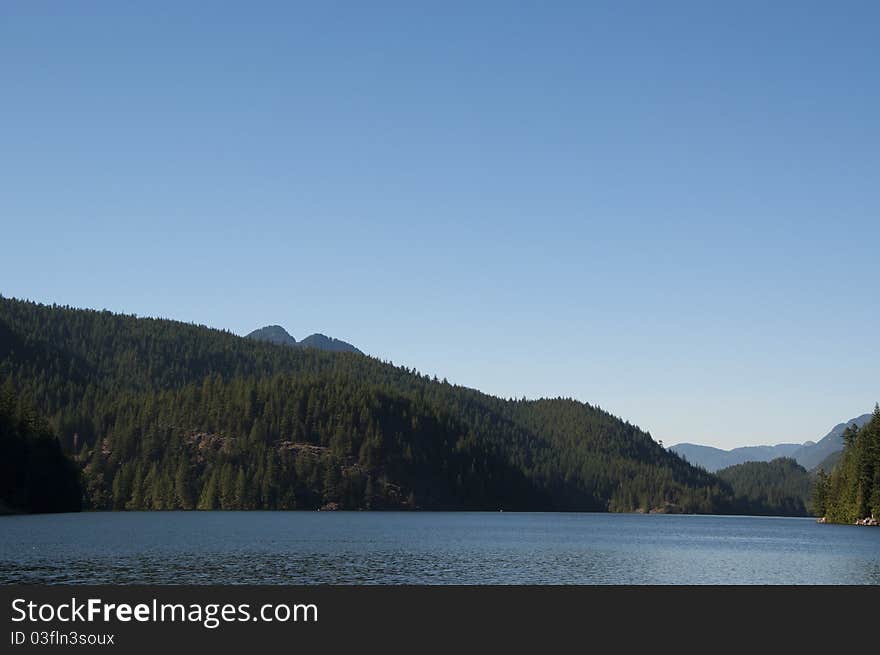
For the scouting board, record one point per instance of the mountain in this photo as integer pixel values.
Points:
(714, 459)
(279, 336)
(322, 342)
(273, 334)
(812, 455)
(159, 414)
(809, 454)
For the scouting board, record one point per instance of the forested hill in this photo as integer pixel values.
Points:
(161, 415)
(852, 491)
(780, 487)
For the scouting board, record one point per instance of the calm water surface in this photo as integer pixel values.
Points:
(432, 548)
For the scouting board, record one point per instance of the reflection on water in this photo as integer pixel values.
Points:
(431, 548)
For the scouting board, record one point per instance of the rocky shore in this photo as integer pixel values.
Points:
(868, 520)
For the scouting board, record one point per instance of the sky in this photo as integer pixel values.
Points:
(670, 210)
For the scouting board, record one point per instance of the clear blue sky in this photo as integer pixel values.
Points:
(670, 209)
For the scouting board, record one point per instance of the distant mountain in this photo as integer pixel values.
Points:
(829, 462)
(323, 342)
(714, 459)
(273, 334)
(813, 454)
(278, 335)
(809, 454)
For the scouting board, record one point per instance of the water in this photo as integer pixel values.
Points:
(431, 548)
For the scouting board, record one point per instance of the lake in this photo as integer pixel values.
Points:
(431, 548)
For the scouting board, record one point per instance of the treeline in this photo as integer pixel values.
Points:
(780, 487)
(164, 415)
(35, 476)
(852, 490)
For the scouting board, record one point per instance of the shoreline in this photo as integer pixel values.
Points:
(868, 521)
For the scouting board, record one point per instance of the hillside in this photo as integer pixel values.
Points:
(162, 415)
(811, 455)
(852, 490)
(829, 462)
(780, 487)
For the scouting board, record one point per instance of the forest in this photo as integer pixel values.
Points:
(159, 414)
(851, 491)
(780, 487)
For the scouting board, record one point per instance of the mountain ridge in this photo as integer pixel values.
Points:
(714, 459)
(812, 455)
(809, 454)
(279, 336)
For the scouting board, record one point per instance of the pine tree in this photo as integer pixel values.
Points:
(226, 484)
(209, 497)
(332, 480)
(183, 491)
(240, 501)
(269, 487)
(136, 502)
(820, 490)
(369, 493)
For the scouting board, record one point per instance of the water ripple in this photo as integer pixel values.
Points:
(430, 548)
